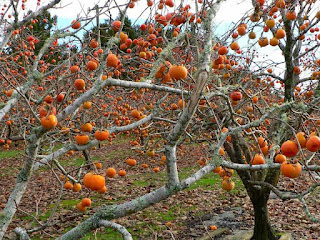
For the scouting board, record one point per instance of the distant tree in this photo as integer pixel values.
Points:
(106, 32)
(41, 28)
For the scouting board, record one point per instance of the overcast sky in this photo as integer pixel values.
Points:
(230, 10)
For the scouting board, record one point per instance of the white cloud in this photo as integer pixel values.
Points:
(232, 11)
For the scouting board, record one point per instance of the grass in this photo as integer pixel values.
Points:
(55, 147)
(177, 210)
(68, 204)
(103, 234)
(10, 153)
(140, 183)
(77, 162)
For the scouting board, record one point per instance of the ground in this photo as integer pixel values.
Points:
(189, 211)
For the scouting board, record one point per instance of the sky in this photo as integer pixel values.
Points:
(230, 10)
(234, 9)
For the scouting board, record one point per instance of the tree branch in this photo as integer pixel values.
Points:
(121, 229)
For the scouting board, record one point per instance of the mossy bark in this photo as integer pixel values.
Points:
(262, 225)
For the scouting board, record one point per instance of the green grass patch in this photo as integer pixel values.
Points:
(45, 216)
(140, 231)
(55, 147)
(104, 234)
(68, 204)
(10, 153)
(140, 183)
(76, 162)
(206, 182)
(171, 214)
(96, 158)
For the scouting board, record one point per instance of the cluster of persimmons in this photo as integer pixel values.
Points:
(117, 107)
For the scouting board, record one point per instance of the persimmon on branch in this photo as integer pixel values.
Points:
(92, 143)
(34, 75)
(34, 139)
(178, 130)
(40, 131)
(18, 23)
(219, 99)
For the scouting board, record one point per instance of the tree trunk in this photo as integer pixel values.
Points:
(262, 226)
(258, 195)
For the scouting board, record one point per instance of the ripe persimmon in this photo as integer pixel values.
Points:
(258, 159)
(86, 202)
(236, 96)
(76, 187)
(75, 24)
(280, 158)
(91, 66)
(98, 165)
(223, 50)
(178, 72)
(313, 144)
(116, 25)
(94, 43)
(291, 170)
(135, 113)
(270, 23)
(301, 139)
(87, 105)
(101, 135)
(280, 33)
(131, 162)
(235, 46)
(102, 190)
(68, 185)
(79, 84)
(49, 122)
(74, 69)
(227, 184)
(93, 181)
(111, 172)
(80, 207)
(82, 139)
(87, 127)
(289, 148)
(112, 60)
(122, 173)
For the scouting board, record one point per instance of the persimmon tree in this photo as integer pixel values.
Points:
(179, 81)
